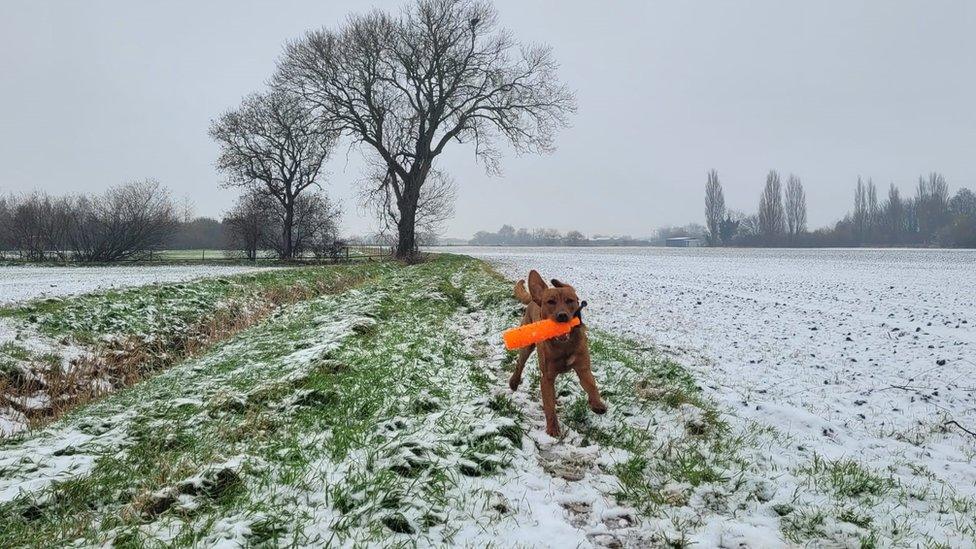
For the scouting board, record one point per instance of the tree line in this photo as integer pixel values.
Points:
(929, 218)
(508, 235)
(399, 88)
(124, 222)
(132, 220)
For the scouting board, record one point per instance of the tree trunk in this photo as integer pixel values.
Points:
(286, 250)
(406, 231)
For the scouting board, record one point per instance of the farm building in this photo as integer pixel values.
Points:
(683, 242)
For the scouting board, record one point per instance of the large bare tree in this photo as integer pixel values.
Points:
(435, 205)
(772, 222)
(796, 206)
(406, 85)
(274, 144)
(714, 207)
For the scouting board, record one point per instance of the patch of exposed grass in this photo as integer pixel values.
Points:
(846, 478)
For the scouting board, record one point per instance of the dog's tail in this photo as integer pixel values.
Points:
(521, 293)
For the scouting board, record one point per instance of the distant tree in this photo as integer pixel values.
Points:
(860, 218)
(893, 216)
(729, 227)
(316, 224)
(124, 222)
(574, 238)
(796, 207)
(273, 143)
(37, 225)
(247, 223)
(714, 207)
(932, 205)
(407, 85)
(201, 233)
(963, 204)
(506, 234)
(772, 222)
(874, 210)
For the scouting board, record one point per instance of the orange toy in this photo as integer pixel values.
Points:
(527, 334)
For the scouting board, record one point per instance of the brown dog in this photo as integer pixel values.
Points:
(558, 355)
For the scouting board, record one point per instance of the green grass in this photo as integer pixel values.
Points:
(847, 478)
(359, 405)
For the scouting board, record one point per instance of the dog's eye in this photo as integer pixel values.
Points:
(570, 301)
(551, 302)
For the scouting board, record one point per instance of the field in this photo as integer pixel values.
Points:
(23, 283)
(860, 357)
(367, 404)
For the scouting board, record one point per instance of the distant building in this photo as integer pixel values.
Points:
(683, 242)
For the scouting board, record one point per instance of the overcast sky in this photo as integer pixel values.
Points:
(100, 92)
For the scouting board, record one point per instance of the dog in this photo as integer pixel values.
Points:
(557, 355)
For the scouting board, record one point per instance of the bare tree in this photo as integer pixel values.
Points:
(860, 209)
(874, 211)
(247, 223)
(274, 143)
(316, 224)
(796, 207)
(126, 221)
(407, 85)
(932, 204)
(772, 222)
(435, 206)
(893, 216)
(714, 207)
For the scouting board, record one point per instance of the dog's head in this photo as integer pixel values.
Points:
(558, 303)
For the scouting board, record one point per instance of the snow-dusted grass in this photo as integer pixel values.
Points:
(20, 283)
(56, 352)
(837, 370)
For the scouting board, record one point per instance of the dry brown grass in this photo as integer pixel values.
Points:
(122, 363)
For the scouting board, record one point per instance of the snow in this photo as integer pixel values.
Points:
(25, 283)
(860, 354)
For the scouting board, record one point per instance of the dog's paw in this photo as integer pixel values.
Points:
(552, 430)
(514, 383)
(599, 408)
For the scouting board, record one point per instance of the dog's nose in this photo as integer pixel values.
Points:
(562, 317)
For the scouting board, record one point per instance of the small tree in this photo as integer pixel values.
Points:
(273, 143)
(247, 224)
(796, 207)
(772, 223)
(405, 86)
(126, 221)
(714, 207)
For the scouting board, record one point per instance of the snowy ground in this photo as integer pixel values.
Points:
(24, 283)
(862, 354)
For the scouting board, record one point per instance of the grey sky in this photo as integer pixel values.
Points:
(96, 93)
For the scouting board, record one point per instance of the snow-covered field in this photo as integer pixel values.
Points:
(24, 283)
(863, 354)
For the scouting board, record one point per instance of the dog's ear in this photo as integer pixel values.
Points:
(537, 286)
(560, 284)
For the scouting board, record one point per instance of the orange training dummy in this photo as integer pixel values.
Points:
(528, 334)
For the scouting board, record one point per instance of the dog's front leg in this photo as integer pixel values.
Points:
(588, 382)
(549, 404)
(523, 356)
